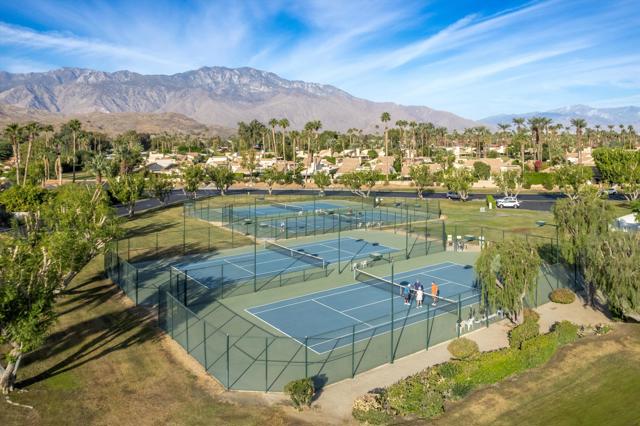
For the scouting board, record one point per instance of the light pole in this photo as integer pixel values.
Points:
(544, 223)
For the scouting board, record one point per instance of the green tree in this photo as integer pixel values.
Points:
(127, 190)
(508, 272)
(272, 176)
(421, 177)
(385, 117)
(74, 224)
(99, 165)
(250, 162)
(571, 178)
(620, 167)
(580, 220)
(459, 180)
(192, 176)
(322, 180)
(75, 126)
(160, 187)
(580, 124)
(284, 123)
(360, 179)
(32, 130)
(613, 269)
(482, 170)
(13, 132)
(509, 182)
(221, 176)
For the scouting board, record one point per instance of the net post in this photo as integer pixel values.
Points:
(353, 351)
(266, 364)
(255, 254)
(204, 342)
(306, 357)
(392, 315)
(428, 333)
(228, 366)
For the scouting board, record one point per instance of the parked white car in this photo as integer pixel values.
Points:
(508, 202)
(453, 195)
(611, 191)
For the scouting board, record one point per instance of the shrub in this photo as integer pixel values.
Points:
(523, 332)
(537, 165)
(538, 350)
(300, 391)
(491, 202)
(562, 295)
(463, 348)
(330, 160)
(421, 394)
(548, 185)
(530, 315)
(493, 154)
(481, 170)
(372, 154)
(461, 389)
(566, 332)
(370, 408)
(448, 370)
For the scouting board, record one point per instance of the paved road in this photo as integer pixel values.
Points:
(538, 202)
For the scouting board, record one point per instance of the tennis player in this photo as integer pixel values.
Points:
(419, 297)
(434, 292)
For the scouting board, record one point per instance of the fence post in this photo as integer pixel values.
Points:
(184, 228)
(459, 314)
(392, 315)
(353, 351)
(137, 286)
(228, 366)
(186, 311)
(128, 249)
(157, 245)
(306, 356)
(184, 296)
(204, 342)
(172, 318)
(266, 364)
(208, 237)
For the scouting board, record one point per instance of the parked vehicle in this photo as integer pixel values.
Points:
(453, 195)
(508, 202)
(611, 191)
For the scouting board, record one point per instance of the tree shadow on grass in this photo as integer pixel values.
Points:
(92, 339)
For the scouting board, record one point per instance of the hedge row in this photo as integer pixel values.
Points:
(424, 394)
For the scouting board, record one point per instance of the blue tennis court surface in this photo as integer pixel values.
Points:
(276, 209)
(228, 269)
(331, 318)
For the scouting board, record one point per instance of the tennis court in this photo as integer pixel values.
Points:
(274, 259)
(365, 307)
(276, 209)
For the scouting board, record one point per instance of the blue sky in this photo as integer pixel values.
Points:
(473, 58)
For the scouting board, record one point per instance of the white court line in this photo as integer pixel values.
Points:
(341, 313)
(402, 319)
(360, 286)
(445, 279)
(238, 266)
(372, 303)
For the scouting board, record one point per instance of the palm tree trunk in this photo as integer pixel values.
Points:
(74, 158)
(26, 163)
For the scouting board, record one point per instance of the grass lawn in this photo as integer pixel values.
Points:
(595, 381)
(105, 363)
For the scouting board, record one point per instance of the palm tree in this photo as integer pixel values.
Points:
(75, 127)
(99, 166)
(13, 132)
(413, 126)
(273, 123)
(385, 117)
(284, 123)
(312, 128)
(538, 126)
(519, 122)
(579, 124)
(503, 131)
(32, 130)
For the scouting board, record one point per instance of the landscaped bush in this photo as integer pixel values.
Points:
(566, 332)
(539, 178)
(491, 202)
(522, 332)
(562, 295)
(300, 391)
(493, 154)
(463, 348)
(530, 315)
(481, 170)
(421, 394)
(370, 409)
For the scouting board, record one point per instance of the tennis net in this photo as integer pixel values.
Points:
(290, 207)
(392, 287)
(297, 254)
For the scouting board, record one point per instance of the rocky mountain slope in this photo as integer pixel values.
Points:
(211, 95)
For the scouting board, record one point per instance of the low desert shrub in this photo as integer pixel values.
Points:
(463, 348)
(562, 295)
(530, 315)
(522, 332)
(300, 391)
(566, 332)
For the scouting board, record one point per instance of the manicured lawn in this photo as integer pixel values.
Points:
(595, 381)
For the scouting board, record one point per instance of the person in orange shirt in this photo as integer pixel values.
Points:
(434, 292)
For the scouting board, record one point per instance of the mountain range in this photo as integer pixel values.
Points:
(215, 96)
(628, 115)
